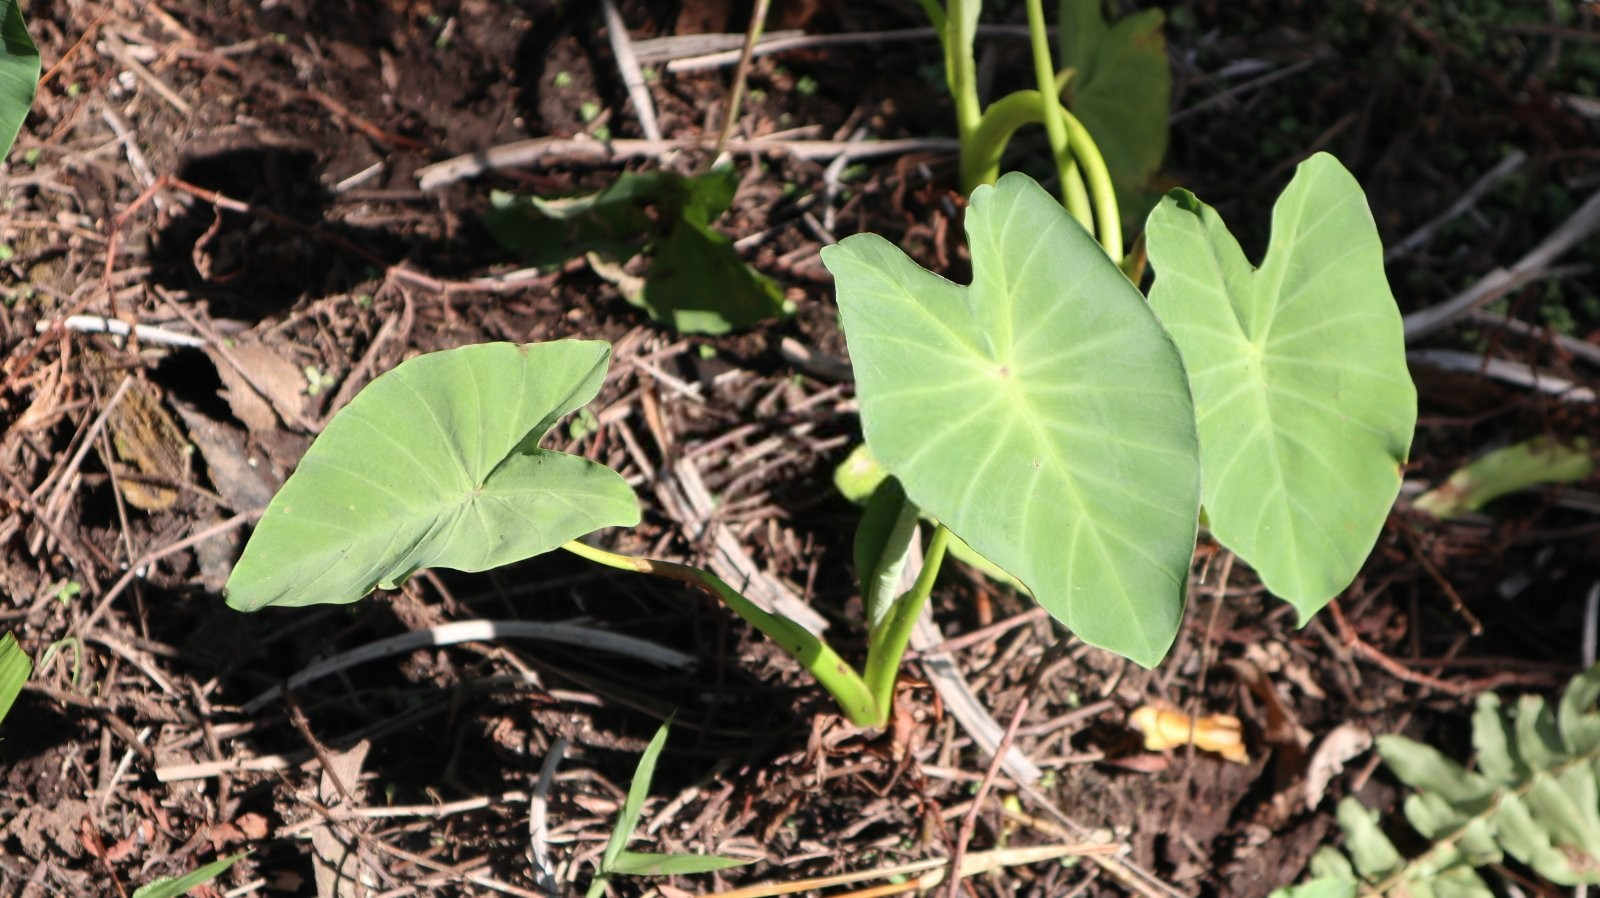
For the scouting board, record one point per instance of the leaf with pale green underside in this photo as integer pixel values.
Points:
(1121, 89)
(1304, 403)
(19, 73)
(436, 464)
(1040, 413)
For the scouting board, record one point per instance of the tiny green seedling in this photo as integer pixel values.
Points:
(617, 860)
(176, 886)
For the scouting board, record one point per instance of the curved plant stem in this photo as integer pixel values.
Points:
(836, 676)
(887, 644)
(1044, 72)
(1003, 117)
(961, 69)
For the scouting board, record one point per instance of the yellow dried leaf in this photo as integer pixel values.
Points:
(1165, 727)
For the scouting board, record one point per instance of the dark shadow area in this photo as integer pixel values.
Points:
(251, 266)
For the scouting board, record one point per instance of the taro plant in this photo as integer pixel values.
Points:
(1048, 414)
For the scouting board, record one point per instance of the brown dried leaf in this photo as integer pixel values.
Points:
(1346, 741)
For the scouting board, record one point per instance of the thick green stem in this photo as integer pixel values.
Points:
(1044, 73)
(957, 33)
(1003, 117)
(836, 676)
(887, 643)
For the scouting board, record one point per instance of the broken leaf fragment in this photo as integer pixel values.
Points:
(1542, 459)
(1165, 727)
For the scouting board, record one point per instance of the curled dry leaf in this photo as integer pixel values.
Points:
(1165, 727)
(1346, 741)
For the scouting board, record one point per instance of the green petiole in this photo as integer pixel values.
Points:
(832, 671)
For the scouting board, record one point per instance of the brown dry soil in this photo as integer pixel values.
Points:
(305, 249)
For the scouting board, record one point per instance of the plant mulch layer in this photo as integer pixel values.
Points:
(246, 174)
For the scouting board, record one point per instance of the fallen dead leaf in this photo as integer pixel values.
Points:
(1346, 741)
(1165, 727)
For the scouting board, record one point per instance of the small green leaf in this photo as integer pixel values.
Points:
(1542, 459)
(436, 463)
(1580, 724)
(14, 669)
(883, 546)
(19, 73)
(1374, 855)
(638, 863)
(1041, 413)
(1304, 403)
(1422, 766)
(1122, 92)
(176, 886)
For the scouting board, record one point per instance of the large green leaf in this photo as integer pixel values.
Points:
(19, 72)
(696, 282)
(436, 463)
(1298, 368)
(1121, 89)
(1040, 413)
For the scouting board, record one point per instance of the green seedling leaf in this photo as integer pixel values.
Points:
(639, 863)
(14, 669)
(436, 464)
(617, 860)
(176, 886)
(696, 283)
(1304, 403)
(19, 73)
(1121, 90)
(883, 546)
(1040, 413)
(1542, 459)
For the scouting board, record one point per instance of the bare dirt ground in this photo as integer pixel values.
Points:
(302, 252)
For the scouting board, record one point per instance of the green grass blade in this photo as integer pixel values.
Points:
(176, 886)
(14, 669)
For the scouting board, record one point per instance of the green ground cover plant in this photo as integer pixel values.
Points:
(1533, 795)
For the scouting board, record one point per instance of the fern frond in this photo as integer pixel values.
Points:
(1534, 796)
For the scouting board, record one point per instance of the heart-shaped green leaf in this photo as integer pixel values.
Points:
(1304, 404)
(436, 463)
(1040, 413)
